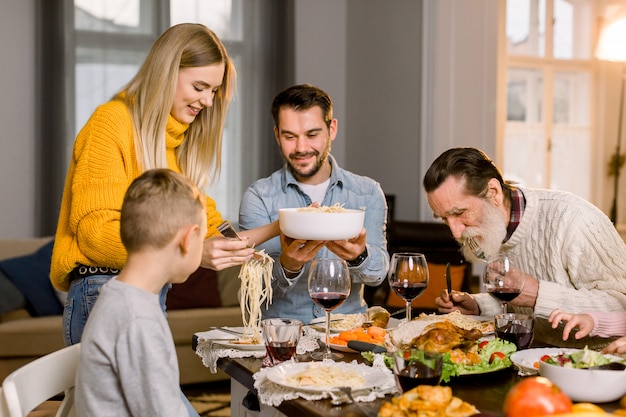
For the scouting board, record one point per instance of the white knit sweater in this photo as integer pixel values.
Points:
(574, 251)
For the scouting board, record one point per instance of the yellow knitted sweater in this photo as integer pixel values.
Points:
(102, 167)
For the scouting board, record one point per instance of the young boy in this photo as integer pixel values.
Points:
(128, 364)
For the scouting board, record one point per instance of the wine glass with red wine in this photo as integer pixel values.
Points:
(503, 279)
(408, 277)
(329, 286)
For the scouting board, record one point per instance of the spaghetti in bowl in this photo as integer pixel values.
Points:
(321, 223)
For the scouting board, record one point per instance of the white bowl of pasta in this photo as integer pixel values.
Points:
(323, 223)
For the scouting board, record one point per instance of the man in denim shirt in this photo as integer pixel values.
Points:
(305, 128)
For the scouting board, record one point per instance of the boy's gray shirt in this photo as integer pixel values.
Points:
(128, 364)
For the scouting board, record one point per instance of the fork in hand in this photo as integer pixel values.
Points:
(227, 230)
(475, 248)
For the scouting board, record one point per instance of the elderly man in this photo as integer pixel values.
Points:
(572, 256)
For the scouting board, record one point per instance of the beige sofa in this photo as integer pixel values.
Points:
(24, 338)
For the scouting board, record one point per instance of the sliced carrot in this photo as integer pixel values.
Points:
(337, 341)
(376, 332)
(365, 338)
(348, 335)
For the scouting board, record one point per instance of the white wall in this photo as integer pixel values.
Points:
(17, 118)
(320, 51)
(408, 84)
(384, 89)
(460, 72)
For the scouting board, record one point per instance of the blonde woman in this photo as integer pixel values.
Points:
(170, 115)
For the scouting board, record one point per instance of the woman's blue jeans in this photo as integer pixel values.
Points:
(80, 300)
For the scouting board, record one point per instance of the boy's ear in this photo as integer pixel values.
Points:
(186, 238)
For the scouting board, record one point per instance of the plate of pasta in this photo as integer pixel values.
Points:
(339, 322)
(325, 376)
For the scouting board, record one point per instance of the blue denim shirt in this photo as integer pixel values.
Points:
(259, 206)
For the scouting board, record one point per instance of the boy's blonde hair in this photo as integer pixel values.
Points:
(156, 206)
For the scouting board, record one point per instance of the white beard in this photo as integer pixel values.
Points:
(489, 235)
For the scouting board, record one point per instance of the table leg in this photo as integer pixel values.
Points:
(237, 394)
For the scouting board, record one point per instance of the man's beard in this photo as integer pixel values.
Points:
(489, 234)
(319, 162)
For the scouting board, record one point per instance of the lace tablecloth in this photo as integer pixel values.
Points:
(272, 394)
(210, 349)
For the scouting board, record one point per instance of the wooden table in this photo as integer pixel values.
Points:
(486, 392)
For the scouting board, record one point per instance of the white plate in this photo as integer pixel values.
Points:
(525, 360)
(373, 377)
(341, 348)
(240, 346)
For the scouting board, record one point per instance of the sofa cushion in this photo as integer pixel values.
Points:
(185, 323)
(31, 275)
(33, 336)
(10, 296)
(199, 291)
(229, 284)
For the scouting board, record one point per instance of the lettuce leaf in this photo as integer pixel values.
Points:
(451, 369)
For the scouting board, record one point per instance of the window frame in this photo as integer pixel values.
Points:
(548, 65)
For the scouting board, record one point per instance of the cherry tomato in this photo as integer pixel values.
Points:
(536, 396)
(495, 355)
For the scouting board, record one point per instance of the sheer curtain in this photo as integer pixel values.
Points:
(90, 48)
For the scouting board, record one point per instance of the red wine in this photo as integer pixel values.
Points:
(516, 334)
(412, 376)
(328, 300)
(407, 382)
(281, 351)
(408, 290)
(504, 293)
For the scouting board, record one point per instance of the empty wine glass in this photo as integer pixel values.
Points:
(329, 286)
(408, 277)
(503, 279)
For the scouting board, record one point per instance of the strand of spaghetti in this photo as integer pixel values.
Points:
(256, 287)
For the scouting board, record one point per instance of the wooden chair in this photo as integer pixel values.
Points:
(436, 242)
(40, 380)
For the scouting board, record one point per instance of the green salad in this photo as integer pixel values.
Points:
(494, 354)
(584, 358)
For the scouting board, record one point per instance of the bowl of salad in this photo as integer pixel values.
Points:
(571, 372)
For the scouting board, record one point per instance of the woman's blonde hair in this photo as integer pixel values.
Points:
(150, 94)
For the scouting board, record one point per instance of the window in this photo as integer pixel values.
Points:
(547, 139)
(112, 38)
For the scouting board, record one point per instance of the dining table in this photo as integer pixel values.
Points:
(486, 391)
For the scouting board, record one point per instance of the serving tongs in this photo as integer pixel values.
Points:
(228, 231)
